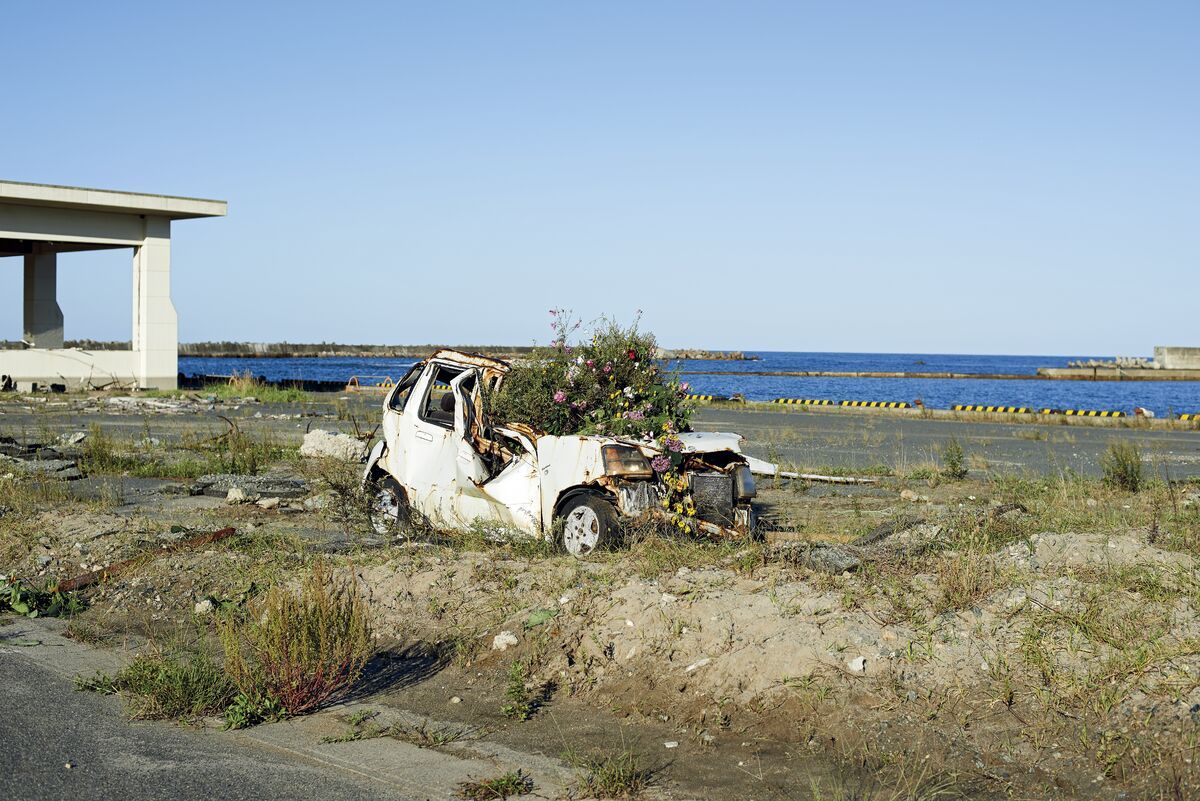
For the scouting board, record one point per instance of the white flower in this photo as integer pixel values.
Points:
(628, 392)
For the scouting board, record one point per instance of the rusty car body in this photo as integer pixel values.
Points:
(441, 459)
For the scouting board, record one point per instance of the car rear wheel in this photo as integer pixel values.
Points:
(589, 523)
(389, 505)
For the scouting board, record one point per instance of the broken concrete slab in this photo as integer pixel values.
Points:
(322, 444)
(62, 469)
(218, 485)
(826, 557)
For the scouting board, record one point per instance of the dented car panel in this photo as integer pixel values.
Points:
(455, 467)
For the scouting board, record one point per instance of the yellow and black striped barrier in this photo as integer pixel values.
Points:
(1083, 412)
(877, 404)
(959, 407)
(804, 401)
(1189, 417)
(707, 398)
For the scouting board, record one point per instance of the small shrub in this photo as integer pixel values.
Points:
(519, 703)
(302, 647)
(954, 461)
(515, 782)
(1122, 466)
(178, 685)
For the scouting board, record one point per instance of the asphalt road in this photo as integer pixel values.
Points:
(46, 725)
(814, 440)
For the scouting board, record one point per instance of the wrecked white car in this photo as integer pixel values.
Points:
(440, 459)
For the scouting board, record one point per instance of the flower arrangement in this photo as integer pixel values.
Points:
(608, 383)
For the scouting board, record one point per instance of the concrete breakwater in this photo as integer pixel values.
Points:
(294, 350)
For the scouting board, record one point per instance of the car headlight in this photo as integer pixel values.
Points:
(743, 484)
(626, 461)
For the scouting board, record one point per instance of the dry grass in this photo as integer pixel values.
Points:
(303, 647)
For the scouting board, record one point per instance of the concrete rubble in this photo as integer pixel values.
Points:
(220, 485)
(322, 444)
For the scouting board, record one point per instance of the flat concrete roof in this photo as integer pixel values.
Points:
(77, 197)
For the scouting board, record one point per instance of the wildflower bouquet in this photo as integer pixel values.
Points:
(607, 383)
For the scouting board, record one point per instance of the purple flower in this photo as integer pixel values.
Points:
(660, 464)
(674, 444)
(635, 415)
(560, 396)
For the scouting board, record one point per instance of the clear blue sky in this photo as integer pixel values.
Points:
(930, 177)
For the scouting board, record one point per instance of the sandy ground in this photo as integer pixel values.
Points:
(996, 637)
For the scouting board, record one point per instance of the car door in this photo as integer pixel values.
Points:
(426, 428)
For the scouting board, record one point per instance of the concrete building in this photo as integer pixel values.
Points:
(38, 222)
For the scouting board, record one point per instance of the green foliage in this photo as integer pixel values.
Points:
(21, 599)
(608, 384)
(954, 461)
(515, 782)
(519, 703)
(300, 648)
(250, 710)
(176, 684)
(1122, 466)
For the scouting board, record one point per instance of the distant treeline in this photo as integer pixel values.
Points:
(291, 350)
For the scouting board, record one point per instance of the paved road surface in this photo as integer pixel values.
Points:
(815, 440)
(45, 725)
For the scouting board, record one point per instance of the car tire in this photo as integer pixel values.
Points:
(388, 510)
(589, 523)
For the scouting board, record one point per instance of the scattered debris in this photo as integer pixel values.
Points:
(267, 486)
(87, 579)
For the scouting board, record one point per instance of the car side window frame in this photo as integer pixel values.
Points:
(422, 410)
(404, 387)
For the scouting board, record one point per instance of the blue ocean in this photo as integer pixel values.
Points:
(1161, 397)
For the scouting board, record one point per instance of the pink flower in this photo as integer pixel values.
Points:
(560, 397)
(684, 387)
(608, 368)
(591, 363)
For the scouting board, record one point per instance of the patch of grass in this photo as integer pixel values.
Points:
(615, 775)
(963, 581)
(954, 461)
(514, 782)
(302, 647)
(172, 684)
(239, 386)
(361, 727)
(233, 451)
(21, 501)
(1122, 466)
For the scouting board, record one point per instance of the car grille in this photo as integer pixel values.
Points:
(713, 495)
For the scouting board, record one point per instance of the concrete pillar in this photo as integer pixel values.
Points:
(155, 326)
(43, 317)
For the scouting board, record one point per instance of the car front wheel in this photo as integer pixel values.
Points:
(589, 523)
(388, 505)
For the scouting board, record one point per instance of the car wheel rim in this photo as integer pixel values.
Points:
(581, 531)
(385, 511)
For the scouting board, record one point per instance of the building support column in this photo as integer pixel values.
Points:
(155, 326)
(43, 317)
